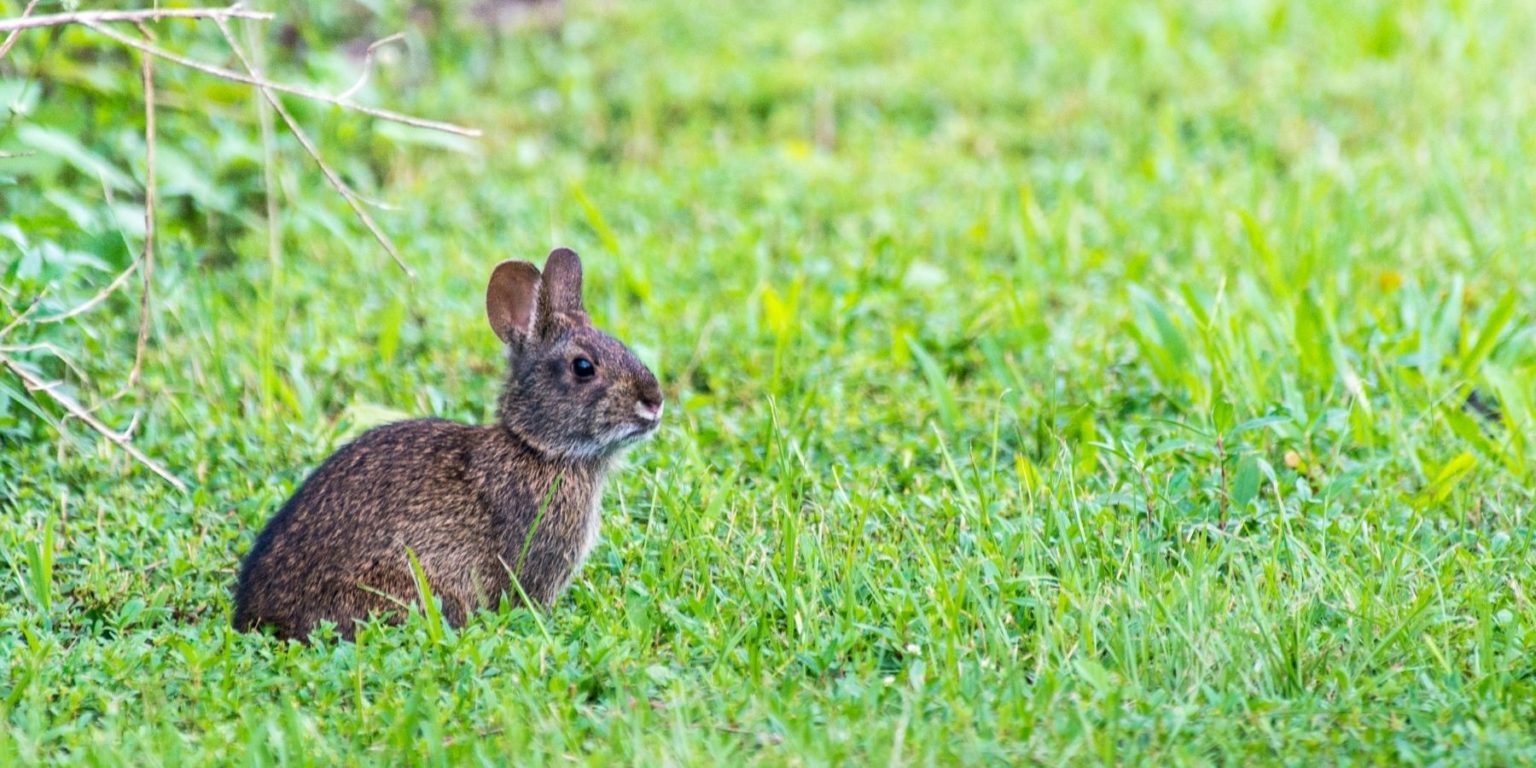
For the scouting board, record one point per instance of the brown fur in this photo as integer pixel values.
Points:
(466, 500)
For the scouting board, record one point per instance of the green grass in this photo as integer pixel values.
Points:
(1049, 383)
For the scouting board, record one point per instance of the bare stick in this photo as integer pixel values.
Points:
(147, 69)
(268, 174)
(52, 349)
(368, 64)
(274, 224)
(229, 74)
(27, 21)
(91, 303)
(19, 319)
(309, 146)
(10, 39)
(35, 384)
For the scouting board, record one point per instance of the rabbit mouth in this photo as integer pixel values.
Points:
(638, 430)
(632, 430)
(629, 433)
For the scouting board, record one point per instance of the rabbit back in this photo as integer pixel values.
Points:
(337, 550)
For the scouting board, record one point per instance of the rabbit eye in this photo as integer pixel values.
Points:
(583, 368)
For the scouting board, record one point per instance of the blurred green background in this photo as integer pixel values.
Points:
(1050, 382)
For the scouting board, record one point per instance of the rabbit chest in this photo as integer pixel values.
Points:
(547, 518)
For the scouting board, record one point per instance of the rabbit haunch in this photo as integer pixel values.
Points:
(469, 501)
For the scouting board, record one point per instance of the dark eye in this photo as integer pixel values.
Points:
(583, 368)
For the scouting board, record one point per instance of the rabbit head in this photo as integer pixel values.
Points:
(572, 391)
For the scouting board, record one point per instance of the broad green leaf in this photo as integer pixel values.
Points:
(1245, 486)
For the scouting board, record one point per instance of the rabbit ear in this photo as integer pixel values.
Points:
(511, 298)
(560, 300)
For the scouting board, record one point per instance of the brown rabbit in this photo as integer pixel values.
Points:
(477, 505)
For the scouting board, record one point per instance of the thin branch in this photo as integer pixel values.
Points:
(10, 39)
(309, 146)
(91, 303)
(19, 319)
(147, 69)
(133, 423)
(229, 74)
(368, 64)
(34, 384)
(379, 204)
(52, 349)
(268, 173)
(269, 185)
(26, 21)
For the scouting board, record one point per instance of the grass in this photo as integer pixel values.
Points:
(1048, 383)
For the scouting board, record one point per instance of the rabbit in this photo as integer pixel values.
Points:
(479, 506)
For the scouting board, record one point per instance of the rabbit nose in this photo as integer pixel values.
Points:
(649, 407)
(648, 411)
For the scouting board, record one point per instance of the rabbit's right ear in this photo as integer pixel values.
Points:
(512, 299)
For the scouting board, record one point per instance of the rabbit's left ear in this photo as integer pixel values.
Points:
(510, 300)
(560, 297)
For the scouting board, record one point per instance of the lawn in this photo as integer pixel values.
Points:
(1049, 383)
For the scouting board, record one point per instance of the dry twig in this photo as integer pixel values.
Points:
(229, 74)
(28, 21)
(268, 175)
(22, 316)
(147, 70)
(34, 384)
(89, 304)
(52, 349)
(10, 39)
(368, 64)
(309, 146)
